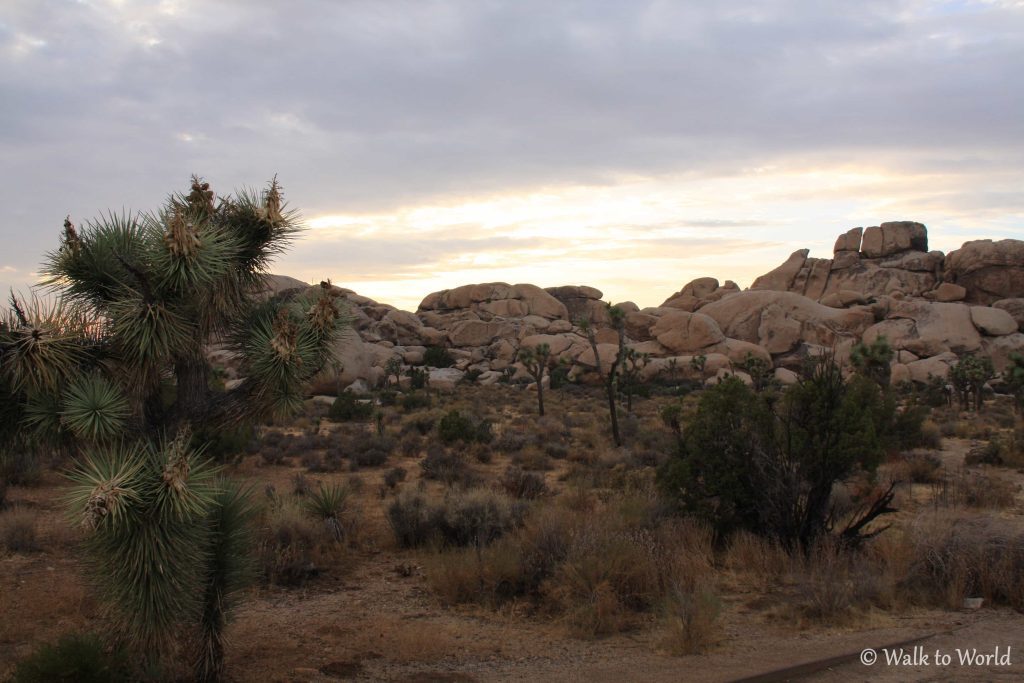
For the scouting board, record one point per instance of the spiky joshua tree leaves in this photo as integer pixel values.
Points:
(111, 367)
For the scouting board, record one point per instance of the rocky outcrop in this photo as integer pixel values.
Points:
(880, 281)
(700, 292)
(780, 321)
(988, 270)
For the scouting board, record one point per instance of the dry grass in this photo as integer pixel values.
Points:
(971, 489)
(960, 556)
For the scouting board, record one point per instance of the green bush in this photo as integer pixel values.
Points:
(751, 462)
(415, 401)
(438, 357)
(348, 407)
(458, 427)
(75, 658)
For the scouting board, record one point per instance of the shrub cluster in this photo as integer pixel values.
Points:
(456, 426)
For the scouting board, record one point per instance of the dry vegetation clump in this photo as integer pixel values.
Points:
(918, 466)
(971, 489)
(301, 537)
(521, 484)
(598, 571)
(474, 517)
(963, 556)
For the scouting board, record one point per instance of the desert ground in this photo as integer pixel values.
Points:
(363, 607)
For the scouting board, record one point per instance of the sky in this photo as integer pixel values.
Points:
(629, 145)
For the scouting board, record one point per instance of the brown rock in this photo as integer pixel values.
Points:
(894, 237)
(638, 325)
(988, 270)
(947, 292)
(1000, 348)
(1015, 307)
(993, 322)
(849, 241)
(927, 329)
(558, 343)
(781, 279)
(740, 317)
(479, 333)
(682, 332)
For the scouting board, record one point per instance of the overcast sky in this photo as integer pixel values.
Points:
(630, 145)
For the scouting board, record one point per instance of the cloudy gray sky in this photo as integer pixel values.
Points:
(630, 145)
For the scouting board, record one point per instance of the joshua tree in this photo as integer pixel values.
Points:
(873, 360)
(618, 321)
(633, 364)
(1013, 375)
(968, 378)
(697, 363)
(115, 365)
(536, 360)
(759, 369)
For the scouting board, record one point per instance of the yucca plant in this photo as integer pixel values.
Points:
(110, 366)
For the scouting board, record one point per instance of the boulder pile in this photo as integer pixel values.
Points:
(880, 281)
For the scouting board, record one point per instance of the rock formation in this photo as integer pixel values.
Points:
(880, 281)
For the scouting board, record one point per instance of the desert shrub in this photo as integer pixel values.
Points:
(413, 519)
(974, 489)
(18, 532)
(347, 406)
(744, 463)
(329, 504)
(423, 423)
(556, 450)
(394, 476)
(370, 450)
(272, 438)
(334, 458)
(272, 455)
(75, 658)
(301, 485)
(520, 484)
(965, 556)
(3, 493)
(481, 452)
(288, 546)
(512, 440)
(438, 357)
(691, 621)
(532, 458)
(388, 397)
(477, 517)
(931, 435)
(313, 462)
(410, 445)
(919, 466)
(991, 452)
(763, 560)
(455, 426)
(1011, 447)
(419, 378)
(444, 464)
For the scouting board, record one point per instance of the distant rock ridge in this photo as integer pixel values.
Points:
(880, 281)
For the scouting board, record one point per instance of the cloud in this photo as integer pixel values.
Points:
(370, 109)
